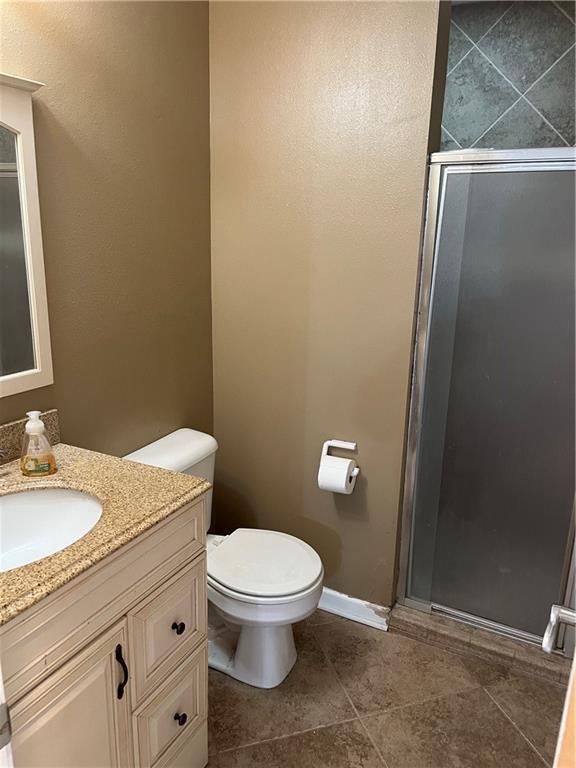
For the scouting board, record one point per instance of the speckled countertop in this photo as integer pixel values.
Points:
(133, 497)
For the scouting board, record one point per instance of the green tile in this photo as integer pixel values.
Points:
(553, 95)
(458, 46)
(528, 40)
(519, 128)
(476, 18)
(476, 95)
(568, 7)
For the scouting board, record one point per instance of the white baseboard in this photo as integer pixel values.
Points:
(354, 609)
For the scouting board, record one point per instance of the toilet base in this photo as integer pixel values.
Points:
(261, 656)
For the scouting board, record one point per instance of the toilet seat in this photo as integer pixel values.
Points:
(257, 565)
(263, 601)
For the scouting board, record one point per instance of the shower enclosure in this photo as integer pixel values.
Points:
(489, 488)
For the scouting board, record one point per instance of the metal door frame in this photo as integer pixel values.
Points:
(441, 165)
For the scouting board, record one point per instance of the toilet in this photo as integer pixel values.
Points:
(259, 582)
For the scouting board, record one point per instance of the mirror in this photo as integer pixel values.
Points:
(16, 343)
(25, 355)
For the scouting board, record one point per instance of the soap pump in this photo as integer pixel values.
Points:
(38, 458)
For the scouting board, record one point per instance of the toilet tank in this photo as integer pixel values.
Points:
(185, 450)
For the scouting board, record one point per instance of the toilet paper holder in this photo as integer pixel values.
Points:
(343, 445)
(335, 473)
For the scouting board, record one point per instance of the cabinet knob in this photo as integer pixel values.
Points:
(181, 718)
(178, 627)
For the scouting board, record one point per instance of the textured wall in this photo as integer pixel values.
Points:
(511, 76)
(122, 143)
(319, 135)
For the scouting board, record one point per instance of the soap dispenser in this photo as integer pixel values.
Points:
(38, 458)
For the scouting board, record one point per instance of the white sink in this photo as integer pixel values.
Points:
(37, 523)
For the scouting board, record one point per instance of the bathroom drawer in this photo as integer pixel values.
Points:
(165, 627)
(187, 751)
(184, 693)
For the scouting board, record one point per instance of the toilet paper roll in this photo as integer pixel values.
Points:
(337, 475)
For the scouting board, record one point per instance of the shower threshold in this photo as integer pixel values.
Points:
(481, 623)
(461, 633)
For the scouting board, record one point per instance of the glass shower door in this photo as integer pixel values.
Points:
(493, 467)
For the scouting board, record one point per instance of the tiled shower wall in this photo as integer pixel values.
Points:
(510, 81)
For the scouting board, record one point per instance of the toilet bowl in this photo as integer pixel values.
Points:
(260, 582)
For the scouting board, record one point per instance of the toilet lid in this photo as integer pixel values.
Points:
(264, 563)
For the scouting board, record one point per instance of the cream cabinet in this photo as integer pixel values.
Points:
(75, 717)
(111, 670)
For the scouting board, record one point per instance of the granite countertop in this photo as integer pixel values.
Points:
(133, 497)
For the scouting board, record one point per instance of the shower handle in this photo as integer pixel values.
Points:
(558, 614)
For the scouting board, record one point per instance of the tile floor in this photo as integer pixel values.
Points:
(362, 698)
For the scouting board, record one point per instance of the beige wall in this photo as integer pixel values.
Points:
(320, 115)
(122, 140)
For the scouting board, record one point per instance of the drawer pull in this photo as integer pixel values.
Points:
(181, 718)
(178, 627)
(120, 660)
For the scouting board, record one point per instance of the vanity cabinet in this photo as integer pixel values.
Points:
(111, 670)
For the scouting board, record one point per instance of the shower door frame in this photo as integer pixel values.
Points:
(467, 160)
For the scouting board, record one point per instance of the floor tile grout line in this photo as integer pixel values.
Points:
(477, 139)
(366, 731)
(459, 28)
(534, 107)
(460, 60)
(470, 40)
(559, 7)
(371, 740)
(417, 702)
(507, 716)
(347, 695)
(490, 28)
(546, 71)
(489, 60)
(451, 137)
(286, 735)
(545, 120)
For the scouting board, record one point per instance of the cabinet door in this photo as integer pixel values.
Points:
(74, 719)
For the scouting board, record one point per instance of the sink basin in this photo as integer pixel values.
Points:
(38, 523)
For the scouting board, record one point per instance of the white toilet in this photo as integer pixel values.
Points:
(259, 582)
